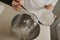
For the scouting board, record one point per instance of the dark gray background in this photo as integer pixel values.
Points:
(55, 30)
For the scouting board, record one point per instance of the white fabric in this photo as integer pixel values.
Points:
(37, 4)
(41, 2)
(54, 2)
(34, 5)
(46, 17)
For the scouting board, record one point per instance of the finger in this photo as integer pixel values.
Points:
(22, 2)
(17, 7)
(14, 3)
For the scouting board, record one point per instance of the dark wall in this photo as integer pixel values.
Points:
(54, 35)
(7, 1)
(57, 8)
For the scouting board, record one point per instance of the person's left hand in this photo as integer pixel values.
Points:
(16, 4)
(49, 7)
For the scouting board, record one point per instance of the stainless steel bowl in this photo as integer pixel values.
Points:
(24, 27)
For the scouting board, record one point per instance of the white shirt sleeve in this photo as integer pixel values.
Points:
(54, 2)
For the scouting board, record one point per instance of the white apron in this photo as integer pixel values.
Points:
(37, 7)
(36, 4)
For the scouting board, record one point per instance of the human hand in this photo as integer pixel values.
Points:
(49, 7)
(17, 4)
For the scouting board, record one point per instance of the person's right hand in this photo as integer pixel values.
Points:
(17, 4)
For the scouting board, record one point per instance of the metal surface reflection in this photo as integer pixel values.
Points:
(24, 27)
